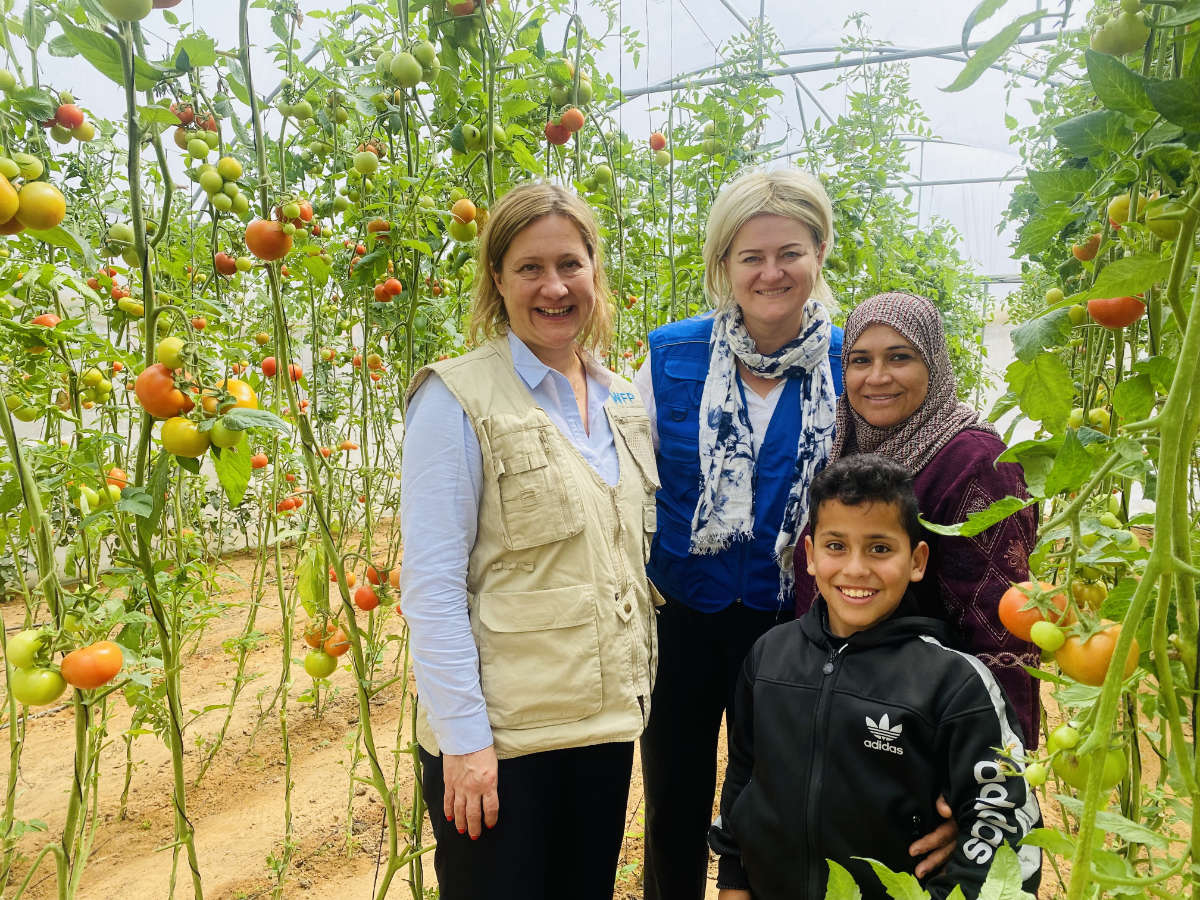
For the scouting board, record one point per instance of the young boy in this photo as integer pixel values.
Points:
(848, 722)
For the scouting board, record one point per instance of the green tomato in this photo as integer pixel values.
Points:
(211, 138)
(1064, 737)
(128, 10)
(36, 687)
(1054, 296)
(1047, 635)
(222, 202)
(225, 437)
(319, 664)
(244, 264)
(604, 174)
(1075, 419)
(210, 180)
(169, 352)
(1114, 503)
(197, 148)
(241, 204)
(1035, 774)
(1099, 418)
(1108, 520)
(229, 168)
(1074, 769)
(22, 647)
(366, 163)
(88, 499)
(462, 231)
(1078, 315)
(8, 80)
(425, 53)
(92, 377)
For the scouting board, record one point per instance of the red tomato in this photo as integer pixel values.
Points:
(572, 119)
(337, 643)
(269, 367)
(69, 116)
(1018, 620)
(266, 239)
(365, 598)
(1088, 661)
(156, 391)
(658, 141)
(259, 461)
(1116, 312)
(117, 476)
(224, 264)
(93, 666)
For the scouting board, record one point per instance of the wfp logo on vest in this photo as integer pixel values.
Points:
(884, 733)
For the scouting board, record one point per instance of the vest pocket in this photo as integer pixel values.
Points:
(539, 656)
(538, 504)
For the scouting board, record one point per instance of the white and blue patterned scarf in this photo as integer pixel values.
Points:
(725, 509)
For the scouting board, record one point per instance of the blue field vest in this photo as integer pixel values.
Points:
(747, 571)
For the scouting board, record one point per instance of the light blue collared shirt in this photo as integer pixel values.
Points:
(441, 484)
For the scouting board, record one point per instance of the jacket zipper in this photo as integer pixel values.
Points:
(813, 819)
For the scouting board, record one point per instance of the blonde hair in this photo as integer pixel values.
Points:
(783, 192)
(516, 211)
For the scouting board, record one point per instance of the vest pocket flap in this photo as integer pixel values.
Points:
(504, 612)
(650, 517)
(511, 460)
(691, 366)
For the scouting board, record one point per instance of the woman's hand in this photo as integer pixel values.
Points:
(936, 846)
(470, 799)
(733, 894)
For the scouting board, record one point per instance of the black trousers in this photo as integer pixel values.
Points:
(699, 658)
(559, 833)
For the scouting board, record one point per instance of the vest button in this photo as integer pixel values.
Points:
(628, 607)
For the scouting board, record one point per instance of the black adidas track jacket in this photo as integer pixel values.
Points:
(839, 749)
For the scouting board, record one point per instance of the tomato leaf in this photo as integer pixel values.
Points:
(992, 51)
(1127, 277)
(147, 525)
(1117, 86)
(311, 579)
(1072, 466)
(201, 51)
(59, 236)
(191, 465)
(1061, 185)
(1044, 227)
(900, 885)
(36, 103)
(1042, 333)
(1134, 397)
(840, 885)
(1093, 133)
(1161, 370)
(981, 521)
(1003, 880)
(233, 471)
(1190, 12)
(240, 418)
(34, 25)
(980, 13)
(1177, 100)
(1051, 840)
(1043, 387)
(103, 53)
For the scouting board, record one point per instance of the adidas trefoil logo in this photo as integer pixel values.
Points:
(885, 735)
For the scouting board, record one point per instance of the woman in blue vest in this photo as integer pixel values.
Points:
(742, 404)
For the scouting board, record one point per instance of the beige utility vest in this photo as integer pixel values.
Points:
(559, 602)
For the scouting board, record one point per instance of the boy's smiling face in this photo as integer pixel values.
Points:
(863, 561)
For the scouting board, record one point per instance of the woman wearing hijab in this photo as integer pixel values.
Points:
(900, 401)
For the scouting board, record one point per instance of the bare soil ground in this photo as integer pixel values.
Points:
(238, 808)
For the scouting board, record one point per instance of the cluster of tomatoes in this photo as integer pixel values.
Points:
(1043, 615)
(36, 680)
(69, 122)
(326, 640)
(34, 204)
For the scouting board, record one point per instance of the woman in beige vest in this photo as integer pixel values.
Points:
(528, 507)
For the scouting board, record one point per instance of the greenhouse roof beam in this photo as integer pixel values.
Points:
(885, 57)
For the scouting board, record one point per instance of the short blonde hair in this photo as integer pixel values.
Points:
(516, 211)
(783, 192)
